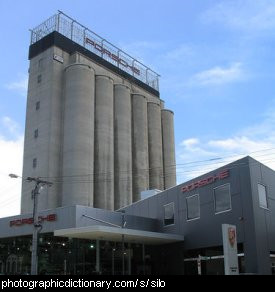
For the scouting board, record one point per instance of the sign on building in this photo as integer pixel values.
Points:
(230, 250)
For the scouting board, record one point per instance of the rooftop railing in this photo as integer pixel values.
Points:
(83, 36)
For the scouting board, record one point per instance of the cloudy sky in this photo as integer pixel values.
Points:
(216, 60)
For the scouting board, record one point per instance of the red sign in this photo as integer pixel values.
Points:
(207, 181)
(114, 57)
(29, 221)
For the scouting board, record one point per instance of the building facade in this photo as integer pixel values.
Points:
(169, 233)
(95, 124)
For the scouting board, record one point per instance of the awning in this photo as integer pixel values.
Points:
(115, 234)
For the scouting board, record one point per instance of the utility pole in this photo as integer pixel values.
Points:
(36, 224)
(123, 243)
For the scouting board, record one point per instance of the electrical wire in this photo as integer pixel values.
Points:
(182, 168)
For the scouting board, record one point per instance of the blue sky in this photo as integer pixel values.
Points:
(216, 60)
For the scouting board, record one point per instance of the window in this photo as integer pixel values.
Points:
(41, 64)
(34, 163)
(37, 105)
(222, 198)
(193, 207)
(36, 133)
(262, 196)
(169, 214)
(39, 78)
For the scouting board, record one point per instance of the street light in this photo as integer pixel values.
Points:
(39, 184)
(12, 175)
(123, 224)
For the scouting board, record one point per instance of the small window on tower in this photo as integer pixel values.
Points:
(36, 133)
(34, 163)
(41, 64)
(37, 105)
(39, 78)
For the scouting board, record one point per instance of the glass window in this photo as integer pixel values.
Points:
(222, 198)
(34, 162)
(36, 133)
(37, 105)
(169, 214)
(262, 196)
(193, 207)
(41, 64)
(39, 78)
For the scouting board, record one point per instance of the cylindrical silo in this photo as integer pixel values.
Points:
(78, 141)
(122, 146)
(155, 146)
(168, 144)
(104, 143)
(139, 146)
(162, 104)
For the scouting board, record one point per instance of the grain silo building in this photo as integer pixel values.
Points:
(95, 124)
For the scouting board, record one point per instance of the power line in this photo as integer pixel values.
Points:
(208, 169)
(60, 178)
(228, 156)
(103, 177)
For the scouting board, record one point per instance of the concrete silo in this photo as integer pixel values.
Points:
(104, 143)
(78, 143)
(96, 126)
(168, 143)
(139, 146)
(122, 146)
(155, 146)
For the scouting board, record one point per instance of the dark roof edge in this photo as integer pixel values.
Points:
(57, 39)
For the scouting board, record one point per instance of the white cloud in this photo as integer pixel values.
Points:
(11, 126)
(11, 157)
(219, 75)
(240, 144)
(246, 15)
(180, 54)
(209, 155)
(20, 86)
(197, 156)
(188, 143)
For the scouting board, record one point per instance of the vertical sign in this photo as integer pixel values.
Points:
(229, 235)
(199, 265)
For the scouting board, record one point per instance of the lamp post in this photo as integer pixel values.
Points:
(123, 224)
(36, 224)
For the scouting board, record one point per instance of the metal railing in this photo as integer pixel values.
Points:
(80, 34)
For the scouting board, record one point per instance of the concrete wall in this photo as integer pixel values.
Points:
(255, 225)
(93, 141)
(168, 141)
(78, 138)
(72, 217)
(122, 146)
(263, 232)
(155, 147)
(140, 146)
(104, 143)
(46, 148)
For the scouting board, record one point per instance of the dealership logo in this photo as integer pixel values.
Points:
(232, 236)
(114, 57)
(29, 221)
(207, 181)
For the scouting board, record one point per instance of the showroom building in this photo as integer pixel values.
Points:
(177, 231)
